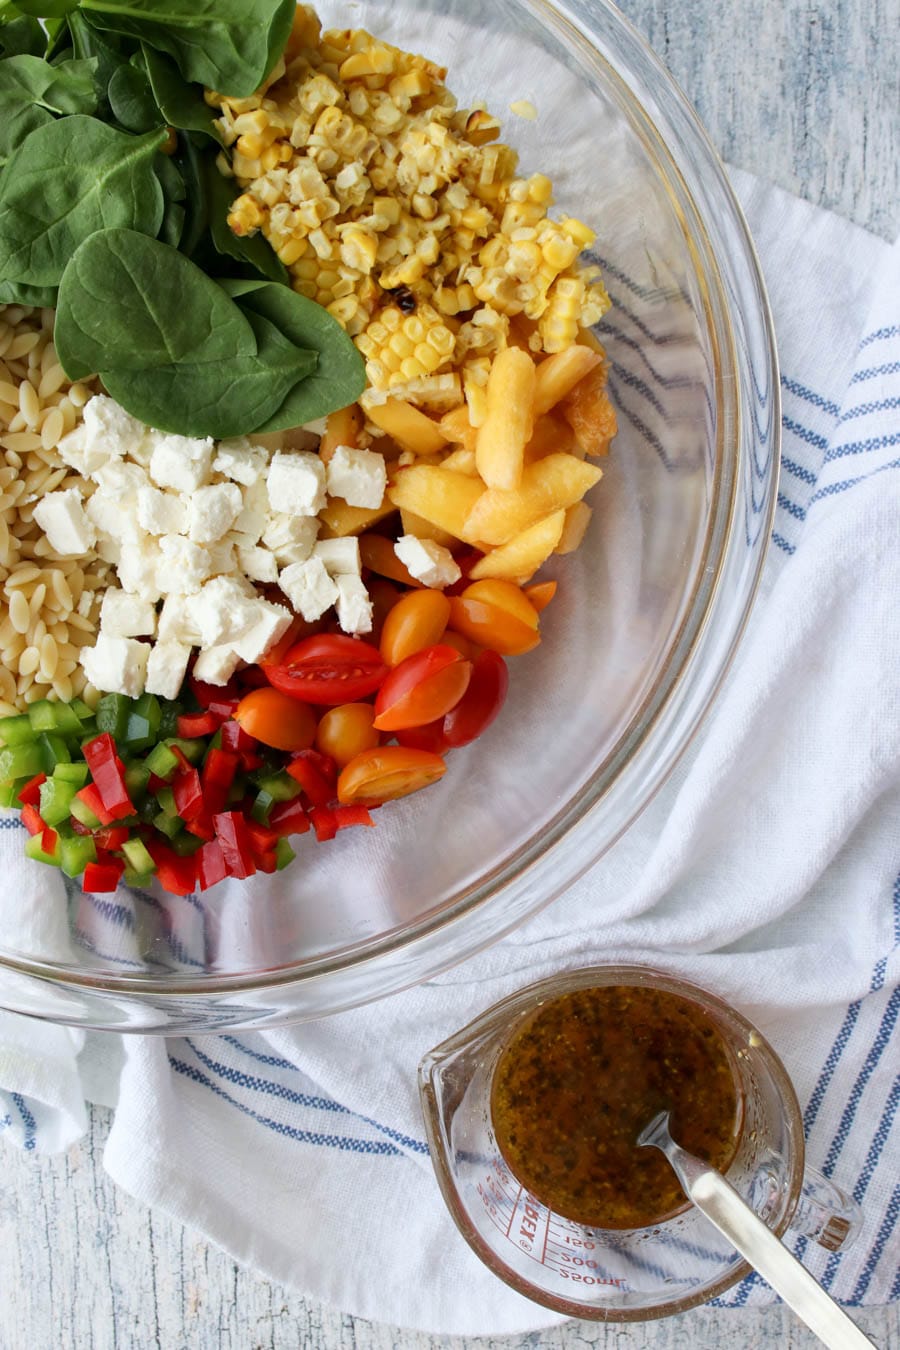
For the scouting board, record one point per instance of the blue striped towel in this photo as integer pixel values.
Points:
(767, 870)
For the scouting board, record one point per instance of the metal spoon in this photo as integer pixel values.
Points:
(719, 1201)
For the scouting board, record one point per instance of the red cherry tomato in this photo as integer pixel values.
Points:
(422, 688)
(381, 775)
(481, 702)
(428, 737)
(329, 669)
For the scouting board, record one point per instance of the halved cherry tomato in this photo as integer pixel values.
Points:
(377, 553)
(540, 594)
(389, 772)
(418, 620)
(276, 719)
(421, 689)
(481, 702)
(346, 731)
(329, 669)
(470, 650)
(429, 737)
(275, 655)
(497, 615)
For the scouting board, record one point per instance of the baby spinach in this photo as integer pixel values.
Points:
(20, 34)
(46, 9)
(31, 89)
(131, 100)
(181, 104)
(66, 181)
(215, 399)
(252, 251)
(339, 377)
(20, 114)
(127, 302)
(228, 45)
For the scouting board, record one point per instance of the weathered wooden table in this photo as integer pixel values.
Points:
(807, 94)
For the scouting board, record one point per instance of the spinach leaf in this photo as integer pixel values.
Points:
(172, 228)
(189, 161)
(46, 9)
(110, 51)
(72, 88)
(69, 88)
(19, 114)
(340, 376)
(252, 250)
(131, 303)
(223, 44)
(219, 399)
(131, 100)
(66, 181)
(181, 104)
(41, 297)
(21, 35)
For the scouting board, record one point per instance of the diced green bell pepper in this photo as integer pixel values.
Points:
(185, 845)
(34, 849)
(59, 717)
(83, 711)
(21, 761)
(284, 854)
(169, 713)
(281, 787)
(83, 814)
(135, 853)
(167, 825)
(73, 773)
(166, 799)
(262, 807)
(137, 776)
(142, 725)
(193, 751)
(76, 853)
(54, 750)
(112, 715)
(56, 800)
(9, 792)
(162, 762)
(139, 880)
(16, 730)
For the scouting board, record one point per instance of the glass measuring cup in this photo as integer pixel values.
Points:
(618, 1274)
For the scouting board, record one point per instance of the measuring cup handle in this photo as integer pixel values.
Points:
(825, 1213)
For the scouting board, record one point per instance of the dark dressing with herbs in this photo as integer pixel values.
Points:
(581, 1078)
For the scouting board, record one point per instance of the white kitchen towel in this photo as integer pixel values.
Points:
(767, 869)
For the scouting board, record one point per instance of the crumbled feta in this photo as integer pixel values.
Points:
(116, 665)
(160, 512)
(290, 535)
(241, 461)
(254, 515)
(175, 623)
(80, 454)
(120, 481)
(212, 511)
(180, 462)
(216, 665)
(126, 615)
(109, 429)
(62, 517)
(340, 556)
(428, 562)
(110, 517)
(139, 566)
(258, 564)
(184, 565)
(272, 623)
(166, 668)
(354, 608)
(223, 611)
(309, 588)
(296, 483)
(359, 476)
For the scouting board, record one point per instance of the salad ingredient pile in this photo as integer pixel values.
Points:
(280, 467)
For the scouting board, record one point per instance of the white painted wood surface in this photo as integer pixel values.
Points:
(806, 93)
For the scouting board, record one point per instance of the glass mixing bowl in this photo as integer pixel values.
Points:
(645, 623)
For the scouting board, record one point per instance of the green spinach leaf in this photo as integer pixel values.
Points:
(222, 44)
(216, 399)
(21, 35)
(46, 9)
(68, 88)
(40, 297)
(188, 160)
(109, 50)
(340, 376)
(130, 303)
(66, 181)
(252, 250)
(131, 100)
(19, 114)
(181, 104)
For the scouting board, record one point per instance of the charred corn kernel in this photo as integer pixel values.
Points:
(414, 84)
(578, 231)
(559, 252)
(560, 322)
(358, 249)
(375, 61)
(245, 215)
(481, 127)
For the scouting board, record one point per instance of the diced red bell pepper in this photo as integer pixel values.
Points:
(207, 694)
(223, 707)
(237, 742)
(324, 822)
(236, 843)
(288, 818)
(31, 792)
(108, 774)
(352, 814)
(156, 784)
(262, 840)
(90, 795)
(219, 769)
(326, 766)
(211, 866)
(188, 793)
(31, 819)
(112, 837)
(49, 839)
(176, 875)
(316, 774)
(100, 877)
(182, 758)
(202, 827)
(267, 862)
(191, 725)
(78, 827)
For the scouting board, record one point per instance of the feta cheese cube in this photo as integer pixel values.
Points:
(340, 556)
(62, 517)
(125, 615)
(184, 565)
(296, 483)
(254, 515)
(166, 668)
(359, 476)
(212, 511)
(309, 588)
(116, 665)
(120, 480)
(109, 429)
(175, 623)
(111, 518)
(180, 462)
(223, 611)
(318, 427)
(160, 512)
(241, 460)
(138, 567)
(272, 623)
(80, 454)
(354, 608)
(294, 535)
(216, 665)
(258, 564)
(428, 562)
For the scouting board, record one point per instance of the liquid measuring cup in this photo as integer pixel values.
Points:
(619, 1274)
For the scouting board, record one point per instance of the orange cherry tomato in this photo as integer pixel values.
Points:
(276, 719)
(497, 615)
(470, 650)
(418, 620)
(346, 731)
(421, 689)
(540, 594)
(377, 553)
(391, 771)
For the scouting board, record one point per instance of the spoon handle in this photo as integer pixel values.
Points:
(722, 1205)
